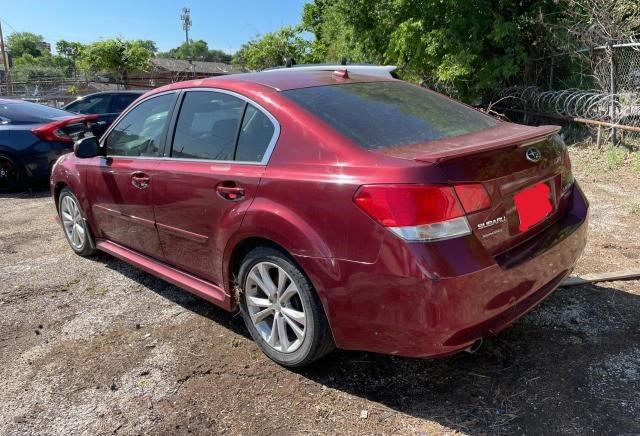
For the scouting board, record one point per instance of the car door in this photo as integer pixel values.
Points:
(220, 144)
(121, 184)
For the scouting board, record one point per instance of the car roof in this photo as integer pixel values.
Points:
(281, 80)
(367, 69)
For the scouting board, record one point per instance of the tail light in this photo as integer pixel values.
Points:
(567, 174)
(54, 131)
(422, 212)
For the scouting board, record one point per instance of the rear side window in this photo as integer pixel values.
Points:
(378, 115)
(140, 132)
(255, 136)
(20, 112)
(207, 126)
(98, 104)
(119, 102)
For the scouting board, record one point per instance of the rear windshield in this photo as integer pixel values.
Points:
(384, 114)
(21, 112)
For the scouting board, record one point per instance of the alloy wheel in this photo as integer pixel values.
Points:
(275, 307)
(72, 222)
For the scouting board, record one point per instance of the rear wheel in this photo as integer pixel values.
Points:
(281, 310)
(12, 176)
(74, 224)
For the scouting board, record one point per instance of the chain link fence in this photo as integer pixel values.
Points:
(599, 88)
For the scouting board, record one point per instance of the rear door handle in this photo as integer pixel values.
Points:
(230, 192)
(140, 180)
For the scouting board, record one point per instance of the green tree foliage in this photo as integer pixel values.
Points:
(69, 55)
(117, 56)
(23, 43)
(272, 49)
(31, 57)
(197, 51)
(464, 48)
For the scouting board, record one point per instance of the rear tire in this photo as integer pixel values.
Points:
(12, 175)
(74, 224)
(281, 309)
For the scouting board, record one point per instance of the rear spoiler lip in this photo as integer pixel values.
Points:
(521, 139)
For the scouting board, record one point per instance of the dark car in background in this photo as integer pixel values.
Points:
(107, 105)
(32, 137)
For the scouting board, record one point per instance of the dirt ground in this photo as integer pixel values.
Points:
(94, 346)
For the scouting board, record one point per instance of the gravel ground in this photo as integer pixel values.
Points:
(95, 346)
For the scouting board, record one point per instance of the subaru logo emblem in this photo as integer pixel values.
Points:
(533, 154)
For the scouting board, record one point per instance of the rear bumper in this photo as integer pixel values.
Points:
(405, 304)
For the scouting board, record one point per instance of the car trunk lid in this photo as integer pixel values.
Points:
(526, 192)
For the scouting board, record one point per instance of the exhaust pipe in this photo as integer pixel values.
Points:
(474, 347)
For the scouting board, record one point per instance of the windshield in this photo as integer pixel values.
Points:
(389, 114)
(21, 112)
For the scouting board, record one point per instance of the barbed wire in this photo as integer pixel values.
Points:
(621, 109)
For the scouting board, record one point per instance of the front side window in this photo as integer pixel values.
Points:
(207, 126)
(98, 104)
(141, 130)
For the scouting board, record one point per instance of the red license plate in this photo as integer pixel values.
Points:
(533, 205)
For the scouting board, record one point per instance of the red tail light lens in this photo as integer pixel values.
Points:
(54, 131)
(473, 197)
(414, 212)
(408, 205)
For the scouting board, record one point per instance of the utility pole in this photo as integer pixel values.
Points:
(186, 22)
(4, 61)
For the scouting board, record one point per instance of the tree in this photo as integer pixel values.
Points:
(216, 55)
(593, 23)
(464, 48)
(273, 49)
(197, 51)
(118, 56)
(70, 54)
(21, 43)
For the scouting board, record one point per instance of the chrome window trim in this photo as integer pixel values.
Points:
(268, 151)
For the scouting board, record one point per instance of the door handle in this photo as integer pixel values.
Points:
(140, 180)
(230, 191)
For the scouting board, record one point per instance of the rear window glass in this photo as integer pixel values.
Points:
(27, 113)
(96, 104)
(384, 114)
(119, 102)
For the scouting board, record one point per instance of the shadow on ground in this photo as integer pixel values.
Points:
(39, 189)
(572, 364)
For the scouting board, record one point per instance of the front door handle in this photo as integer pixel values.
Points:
(230, 191)
(140, 180)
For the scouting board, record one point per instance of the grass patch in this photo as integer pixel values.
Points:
(96, 290)
(635, 208)
(636, 161)
(616, 157)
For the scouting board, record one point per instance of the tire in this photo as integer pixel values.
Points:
(12, 175)
(74, 224)
(306, 337)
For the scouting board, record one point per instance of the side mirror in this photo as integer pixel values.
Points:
(86, 147)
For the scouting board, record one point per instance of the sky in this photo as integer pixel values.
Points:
(223, 24)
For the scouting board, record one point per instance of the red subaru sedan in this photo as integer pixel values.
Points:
(333, 209)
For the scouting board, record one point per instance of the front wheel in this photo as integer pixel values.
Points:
(74, 224)
(281, 310)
